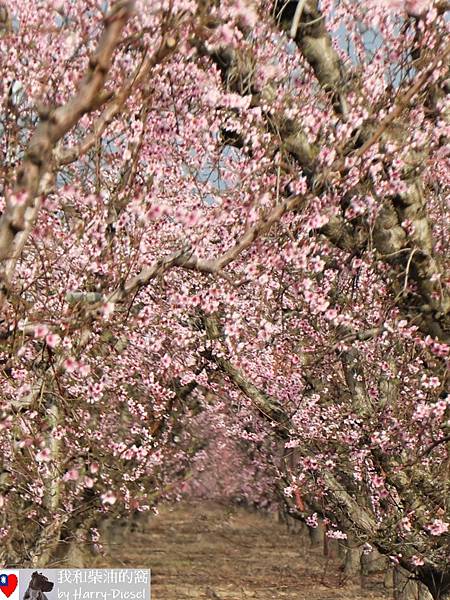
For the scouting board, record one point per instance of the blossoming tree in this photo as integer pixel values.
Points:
(226, 218)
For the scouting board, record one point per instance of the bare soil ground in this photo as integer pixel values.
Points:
(207, 551)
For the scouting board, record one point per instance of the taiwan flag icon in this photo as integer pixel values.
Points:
(9, 585)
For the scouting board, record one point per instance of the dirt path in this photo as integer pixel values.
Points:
(211, 552)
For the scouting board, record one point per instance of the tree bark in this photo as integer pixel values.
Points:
(404, 587)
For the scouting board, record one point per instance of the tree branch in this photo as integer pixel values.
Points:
(23, 205)
(65, 156)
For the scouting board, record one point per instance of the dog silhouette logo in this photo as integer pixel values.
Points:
(39, 584)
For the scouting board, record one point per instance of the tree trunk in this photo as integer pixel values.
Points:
(405, 588)
(424, 593)
(75, 548)
(352, 561)
(79, 555)
(330, 547)
(388, 581)
(372, 563)
(316, 535)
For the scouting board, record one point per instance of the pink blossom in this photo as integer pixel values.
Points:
(40, 331)
(413, 7)
(225, 35)
(336, 534)
(312, 521)
(331, 314)
(192, 218)
(155, 212)
(107, 309)
(70, 364)
(438, 527)
(246, 14)
(317, 264)
(288, 491)
(43, 455)
(418, 7)
(166, 361)
(377, 481)
(406, 524)
(84, 369)
(71, 475)
(52, 340)
(18, 198)
(236, 101)
(109, 497)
